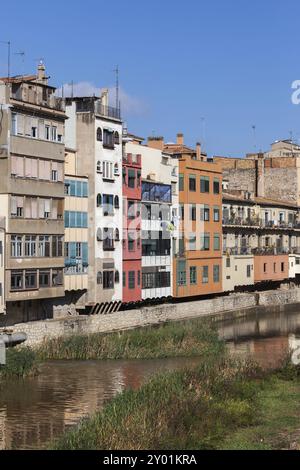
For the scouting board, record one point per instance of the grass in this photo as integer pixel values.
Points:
(20, 362)
(189, 409)
(191, 338)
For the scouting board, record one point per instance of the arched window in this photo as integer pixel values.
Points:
(99, 277)
(117, 138)
(99, 235)
(99, 200)
(117, 277)
(117, 203)
(116, 169)
(99, 167)
(99, 134)
(117, 235)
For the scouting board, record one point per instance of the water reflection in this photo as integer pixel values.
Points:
(36, 410)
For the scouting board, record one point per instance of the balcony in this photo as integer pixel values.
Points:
(107, 111)
(246, 222)
(132, 159)
(238, 251)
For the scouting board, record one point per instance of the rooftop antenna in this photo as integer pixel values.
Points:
(254, 136)
(21, 54)
(8, 57)
(203, 132)
(116, 70)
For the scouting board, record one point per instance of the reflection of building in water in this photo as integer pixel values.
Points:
(267, 352)
(3, 431)
(294, 345)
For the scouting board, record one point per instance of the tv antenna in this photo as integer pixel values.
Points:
(254, 136)
(8, 56)
(21, 54)
(116, 70)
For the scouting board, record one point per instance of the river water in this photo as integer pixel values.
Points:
(36, 410)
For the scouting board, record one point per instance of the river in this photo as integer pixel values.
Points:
(36, 410)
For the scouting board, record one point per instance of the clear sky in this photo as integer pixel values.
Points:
(208, 68)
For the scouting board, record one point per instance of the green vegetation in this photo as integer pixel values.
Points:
(191, 338)
(188, 409)
(20, 362)
(221, 404)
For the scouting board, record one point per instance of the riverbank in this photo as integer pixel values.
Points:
(221, 404)
(180, 339)
(237, 305)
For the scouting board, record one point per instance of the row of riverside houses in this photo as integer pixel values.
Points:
(94, 220)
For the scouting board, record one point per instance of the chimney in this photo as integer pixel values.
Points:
(180, 140)
(198, 151)
(41, 75)
(156, 142)
(104, 97)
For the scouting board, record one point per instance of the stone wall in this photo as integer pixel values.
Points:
(39, 331)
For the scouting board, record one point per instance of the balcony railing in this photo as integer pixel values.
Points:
(257, 222)
(107, 111)
(248, 221)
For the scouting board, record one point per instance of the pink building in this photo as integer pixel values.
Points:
(271, 267)
(132, 245)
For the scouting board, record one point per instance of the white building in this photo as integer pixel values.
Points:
(2, 271)
(94, 129)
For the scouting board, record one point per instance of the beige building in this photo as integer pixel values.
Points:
(32, 154)
(2, 270)
(238, 270)
(76, 238)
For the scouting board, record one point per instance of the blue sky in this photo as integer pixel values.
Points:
(208, 68)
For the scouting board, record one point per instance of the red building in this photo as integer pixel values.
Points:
(132, 245)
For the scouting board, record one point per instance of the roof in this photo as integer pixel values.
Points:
(258, 200)
(178, 148)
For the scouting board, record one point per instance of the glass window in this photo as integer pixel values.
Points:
(193, 212)
(108, 279)
(205, 241)
(192, 182)
(216, 214)
(204, 213)
(216, 241)
(30, 279)
(131, 279)
(204, 184)
(131, 178)
(181, 182)
(16, 280)
(205, 275)
(216, 273)
(216, 186)
(193, 275)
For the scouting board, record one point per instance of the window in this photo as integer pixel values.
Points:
(131, 279)
(108, 240)
(131, 210)
(14, 123)
(44, 279)
(17, 204)
(16, 246)
(57, 246)
(248, 270)
(181, 281)
(30, 279)
(124, 279)
(193, 275)
(116, 169)
(76, 219)
(47, 132)
(44, 246)
(99, 134)
(30, 246)
(205, 241)
(205, 275)
(192, 242)
(99, 167)
(108, 170)
(274, 264)
(181, 182)
(181, 211)
(131, 241)
(216, 186)
(117, 277)
(99, 200)
(34, 132)
(282, 267)
(117, 138)
(108, 139)
(204, 213)
(216, 214)
(57, 277)
(99, 277)
(228, 262)
(131, 178)
(108, 279)
(54, 133)
(193, 211)
(54, 175)
(216, 273)
(192, 182)
(117, 202)
(139, 278)
(117, 235)
(204, 184)
(217, 241)
(108, 204)
(265, 267)
(16, 280)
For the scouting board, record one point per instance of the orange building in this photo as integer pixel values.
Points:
(271, 267)
(198, 254)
